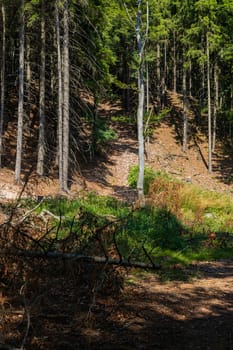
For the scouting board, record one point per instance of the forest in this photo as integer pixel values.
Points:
(54, 56)
(116, 177)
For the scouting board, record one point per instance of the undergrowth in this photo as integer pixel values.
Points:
(174, 229)
(199, 210)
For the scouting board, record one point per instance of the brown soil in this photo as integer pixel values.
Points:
(148, 314)
(107, 175)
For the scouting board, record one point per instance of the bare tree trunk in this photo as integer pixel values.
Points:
(174, 63)
(185, 114)
(158, 73)
(28, 82)
(41, 141)
(140, 111)
(21, 100)
(147, 88)
(190, 79)
(60, 99)
(164, 77)
(209, 106)
(216, 104)
(2, 79)
(66, 94)
(140, 183)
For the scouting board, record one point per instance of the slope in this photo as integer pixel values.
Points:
(107, 173)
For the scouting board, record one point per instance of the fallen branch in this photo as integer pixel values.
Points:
(49, 213)
(78, 257)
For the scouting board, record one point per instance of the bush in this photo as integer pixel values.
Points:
(149, 176)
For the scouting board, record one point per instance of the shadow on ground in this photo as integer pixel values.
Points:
(147, 315)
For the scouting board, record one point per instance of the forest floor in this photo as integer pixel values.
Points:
(193, 312)
(107, 174)
(149, 314)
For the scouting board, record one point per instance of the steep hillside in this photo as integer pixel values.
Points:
(107, 174)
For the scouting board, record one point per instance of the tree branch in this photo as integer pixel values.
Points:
(78, 257)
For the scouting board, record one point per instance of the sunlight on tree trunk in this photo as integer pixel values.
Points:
(140, 111)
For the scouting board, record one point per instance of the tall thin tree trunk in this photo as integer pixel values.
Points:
(2, 79)
(209, 106)
(28, 82)
(185, 112)
(147, 88)
(174, 62)
(60, 99)
(21, 100)
(53, 75)
(164, 76)
(140, 111)
(216, 103)
(190, 79)
(41, 141)
(66, 94)
(158, 73)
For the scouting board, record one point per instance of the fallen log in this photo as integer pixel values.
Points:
(53, 255)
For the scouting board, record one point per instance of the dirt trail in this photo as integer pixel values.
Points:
(181, 315)
(148, 315)
(109, 175)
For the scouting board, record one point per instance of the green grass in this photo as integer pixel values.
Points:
(161, 230)
(149, 176)
(173, 229)
(197, 209)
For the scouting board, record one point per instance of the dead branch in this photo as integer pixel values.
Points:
(78, 257)
(26, 312)
(48, 213)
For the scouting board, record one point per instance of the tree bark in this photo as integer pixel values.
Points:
(174, 63)
(66, 82)
(185, 114)
(28, 82)
(21, 99)
(164, 76)
(140, 112)
(41, 141)
(60, 99)
(158, 73)
(147, 88)
(209, 106)
(190, 79)
(216, 104)
(2, 79)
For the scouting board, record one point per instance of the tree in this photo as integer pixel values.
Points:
(41, 141)
(2, 79)
(141, 100)
(66, 96)
(60, 99)
(21, 99)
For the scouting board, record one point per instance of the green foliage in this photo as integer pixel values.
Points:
(102, 135)
(149, 175)
(124, 119)
(166, 237)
